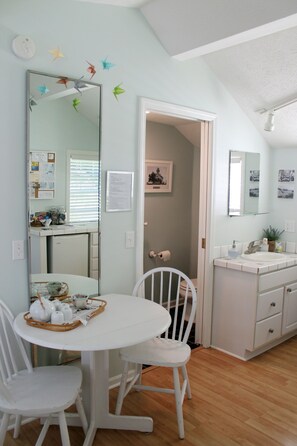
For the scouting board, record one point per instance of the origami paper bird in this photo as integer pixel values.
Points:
(57, 54)
(106, 65)
(118, 90)
(63, 81)
(79, 84)
(42, 89)
(32, 102)
(91, 69)
(75, 103)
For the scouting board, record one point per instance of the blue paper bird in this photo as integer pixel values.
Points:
(106, 65)
(42, 89)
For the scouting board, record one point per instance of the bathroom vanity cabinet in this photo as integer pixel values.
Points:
(254, 308)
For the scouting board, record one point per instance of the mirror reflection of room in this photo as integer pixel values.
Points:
(244, 183)
(63, 175)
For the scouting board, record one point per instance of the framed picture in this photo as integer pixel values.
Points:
(158, 176)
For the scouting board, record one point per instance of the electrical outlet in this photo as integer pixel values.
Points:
(130, 239)
(290, 225)
(18, 250)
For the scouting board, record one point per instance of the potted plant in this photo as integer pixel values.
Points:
(272, 234)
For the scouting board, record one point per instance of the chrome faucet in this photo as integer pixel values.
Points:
(253, 246)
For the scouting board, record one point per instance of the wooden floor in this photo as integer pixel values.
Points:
(234, 403)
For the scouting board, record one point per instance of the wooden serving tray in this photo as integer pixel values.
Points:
(67, 325)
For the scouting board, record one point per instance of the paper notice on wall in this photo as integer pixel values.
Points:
(42, 174)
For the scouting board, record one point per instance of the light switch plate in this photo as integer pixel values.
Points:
(18, 250)
(130, 239)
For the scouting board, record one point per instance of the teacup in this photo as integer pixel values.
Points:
(79, 301)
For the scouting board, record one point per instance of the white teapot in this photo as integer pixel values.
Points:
(41, 309)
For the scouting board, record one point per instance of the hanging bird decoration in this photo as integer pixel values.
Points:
(75, 103)
(78, 84)
(63, 81)
(91, 69)
(118, 90)
(106, 65)
(56, 53)
(42, 89)
(32, 103)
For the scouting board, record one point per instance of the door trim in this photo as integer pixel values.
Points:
(205, 289)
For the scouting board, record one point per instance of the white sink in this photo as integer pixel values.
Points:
(263, 256)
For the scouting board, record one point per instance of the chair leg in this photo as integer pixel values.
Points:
(81, 413)
(3, 427)
(43, 431)
(138, 371)
(178, 403)
(64, 429)
(121, 394)
(17, 426)
(186, 377)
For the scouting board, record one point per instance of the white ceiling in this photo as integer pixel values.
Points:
(251, 46)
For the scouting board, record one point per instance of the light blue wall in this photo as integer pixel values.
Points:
(88, 32)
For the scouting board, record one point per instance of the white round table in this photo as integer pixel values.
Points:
(127, 320)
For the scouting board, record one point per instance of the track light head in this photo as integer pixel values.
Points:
(269, 125)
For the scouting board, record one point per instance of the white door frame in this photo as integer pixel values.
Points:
(204, 314)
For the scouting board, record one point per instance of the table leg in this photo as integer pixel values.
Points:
(96, 399)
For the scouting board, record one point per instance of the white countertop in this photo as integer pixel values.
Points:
(75, 228)
(241, 264)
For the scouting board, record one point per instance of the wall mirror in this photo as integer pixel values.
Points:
(244, 183)
(63, 153)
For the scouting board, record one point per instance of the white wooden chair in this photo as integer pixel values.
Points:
(33, 392)
(171, 350)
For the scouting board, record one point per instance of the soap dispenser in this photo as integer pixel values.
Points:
(233, 252)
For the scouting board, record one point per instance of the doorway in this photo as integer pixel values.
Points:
(170, 113)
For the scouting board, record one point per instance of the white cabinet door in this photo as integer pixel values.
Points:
(290, 309)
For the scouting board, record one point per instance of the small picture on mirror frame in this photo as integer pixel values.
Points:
(255, 176)
(158, 176)
(286, 176)
(285, 192)
(254, 192)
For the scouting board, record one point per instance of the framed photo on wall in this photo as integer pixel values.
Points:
(158, 176)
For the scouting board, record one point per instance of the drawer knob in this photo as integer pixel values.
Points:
(270, 330)
(272, 304)
(289, 290)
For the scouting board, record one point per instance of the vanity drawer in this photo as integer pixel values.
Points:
(268, 330)
(270, 303)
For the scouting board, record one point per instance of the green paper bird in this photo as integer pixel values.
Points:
(75, 103)
(118, 90)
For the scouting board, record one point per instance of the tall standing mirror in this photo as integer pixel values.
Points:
(63, 148)
(244, 183)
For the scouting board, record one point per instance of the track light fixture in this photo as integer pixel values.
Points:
(269, 124)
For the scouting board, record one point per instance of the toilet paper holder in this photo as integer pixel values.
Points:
(163, 255)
